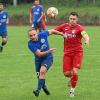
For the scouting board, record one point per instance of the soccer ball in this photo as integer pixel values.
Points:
(52, 12)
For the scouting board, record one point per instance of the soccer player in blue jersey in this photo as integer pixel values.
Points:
(4, 20)
(39, 46)
(36, 14)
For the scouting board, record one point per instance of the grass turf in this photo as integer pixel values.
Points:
(17, 71)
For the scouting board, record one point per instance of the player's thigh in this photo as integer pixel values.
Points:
(37, 66)
(47, 63)
(67, 63)
(77, 60)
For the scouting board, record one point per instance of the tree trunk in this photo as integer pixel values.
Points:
(94, 1)
(15, 3)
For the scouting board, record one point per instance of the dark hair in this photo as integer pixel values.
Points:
(74, 14)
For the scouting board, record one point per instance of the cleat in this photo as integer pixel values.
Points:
(71, 94)
(46, 91)
(36, 93)
(1, 48)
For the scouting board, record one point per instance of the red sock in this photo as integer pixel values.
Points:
(74, 80)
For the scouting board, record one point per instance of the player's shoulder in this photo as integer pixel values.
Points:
(5, 11)
(43, 33)
(64, 24)
(33, 7)
(41, 6)
(30, 42)
(80, 27)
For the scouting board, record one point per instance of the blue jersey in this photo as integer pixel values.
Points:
(42, 45)
(3, 19)
(37, 12)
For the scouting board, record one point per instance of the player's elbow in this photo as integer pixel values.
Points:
(39, 55)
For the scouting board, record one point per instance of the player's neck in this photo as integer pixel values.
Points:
(35, 40)
(36, 5)
(72, 25)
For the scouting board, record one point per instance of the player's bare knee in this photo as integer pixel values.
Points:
(67, 74)
(75, 71)
(42, 71)
(4, 40)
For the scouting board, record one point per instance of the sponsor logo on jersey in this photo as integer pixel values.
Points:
(73, 31)
(42, 40)
(4, 16)
(38, 9)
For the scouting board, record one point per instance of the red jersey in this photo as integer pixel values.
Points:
(73, 41)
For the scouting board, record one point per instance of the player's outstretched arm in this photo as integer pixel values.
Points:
(52, 31)
(86, 37)
(44, 53)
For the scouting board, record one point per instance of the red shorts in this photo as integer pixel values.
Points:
(71, 61)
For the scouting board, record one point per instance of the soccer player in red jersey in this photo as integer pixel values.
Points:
(73, 51)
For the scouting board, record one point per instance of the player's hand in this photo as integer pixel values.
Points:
(87, 43)
(52, 50)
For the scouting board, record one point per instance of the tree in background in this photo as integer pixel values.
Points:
(15, 2)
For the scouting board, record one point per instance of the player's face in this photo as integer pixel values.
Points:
(36, 2)
(73, 20)
(33, 35)
(1, 7)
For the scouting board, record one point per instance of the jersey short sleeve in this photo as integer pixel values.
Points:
(42, 8)
(44, 33)
(60, 27)
(32, 47)
(81, 28)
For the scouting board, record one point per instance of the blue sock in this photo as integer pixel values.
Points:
(41, 83)
(44, 86)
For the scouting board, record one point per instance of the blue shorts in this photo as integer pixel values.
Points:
(3, 34)
(46, 62)
(37, 25)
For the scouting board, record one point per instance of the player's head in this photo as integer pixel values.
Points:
(37, 2)
(33, 35)
(1, 7)
(73, 18)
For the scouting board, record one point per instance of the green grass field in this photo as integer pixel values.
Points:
(17, 71)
